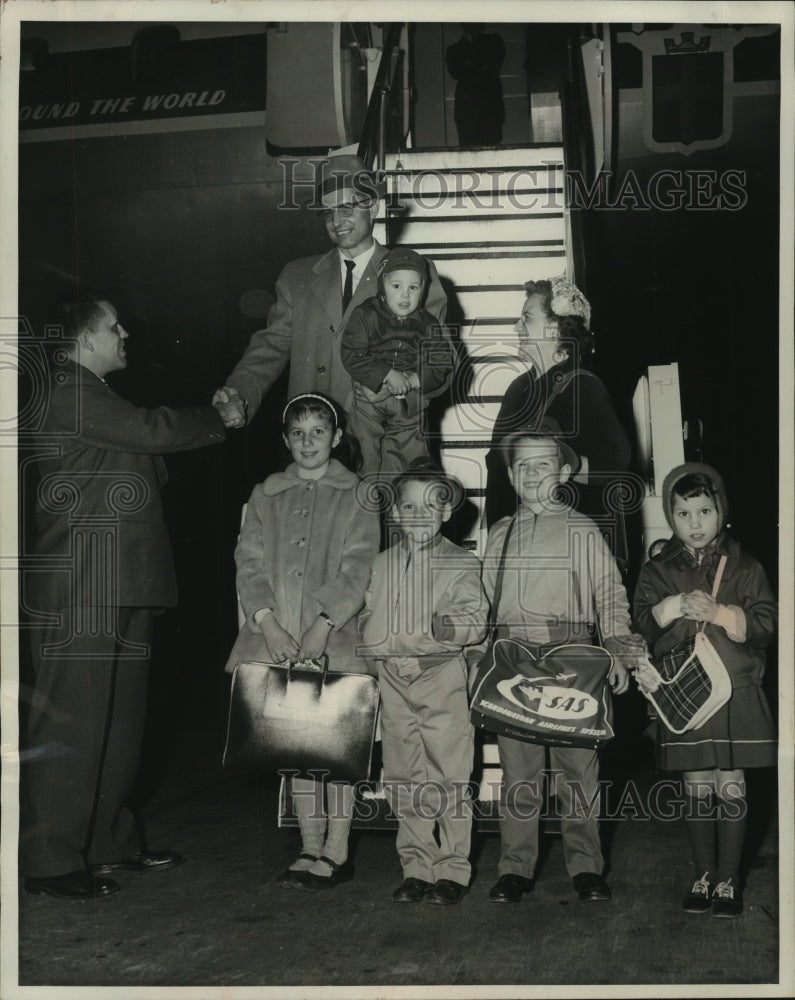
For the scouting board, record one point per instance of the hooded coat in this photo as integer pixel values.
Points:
(741, 734)
(676, 570)
(375, 340)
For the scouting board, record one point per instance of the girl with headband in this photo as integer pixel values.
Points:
(303, 563)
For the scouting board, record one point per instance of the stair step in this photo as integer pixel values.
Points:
(471, 421)
(428, 231)
(484, 340)
(487, 159)
(496, 251)
(486, 273)
(476, 221)
(529, 202)
(480, 251)
(469, 468)
(494, 378)
(469, 191)
(474, 264)
(507, 300)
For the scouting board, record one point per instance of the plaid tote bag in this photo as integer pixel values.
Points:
(693, 682)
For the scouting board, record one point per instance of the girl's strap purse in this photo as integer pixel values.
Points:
(693, 682)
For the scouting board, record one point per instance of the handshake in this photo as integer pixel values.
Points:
(231, 407)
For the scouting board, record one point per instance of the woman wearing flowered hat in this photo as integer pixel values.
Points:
(556, 343)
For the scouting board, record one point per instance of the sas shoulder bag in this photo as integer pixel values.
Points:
(555, 695)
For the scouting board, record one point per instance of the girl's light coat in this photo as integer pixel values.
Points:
(306, 546)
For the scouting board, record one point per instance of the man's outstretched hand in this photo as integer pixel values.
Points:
(231, 406)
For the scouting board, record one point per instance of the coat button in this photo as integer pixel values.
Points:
(321, 369)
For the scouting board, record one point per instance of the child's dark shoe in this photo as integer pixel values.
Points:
(727, 901)
(698, 900)
(590, 887)
(510, 888)
(288, 877)
(413, 890)
(310, 882)
(446, 893)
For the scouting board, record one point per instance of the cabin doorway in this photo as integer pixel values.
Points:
(530, 72)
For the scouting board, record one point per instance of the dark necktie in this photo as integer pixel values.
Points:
(347, 291)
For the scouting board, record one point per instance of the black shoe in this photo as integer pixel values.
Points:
(289, 876)
(413, 890)
(144, 861)
(74, 885)
(698, 899)
(510, 888)
(446, 892)
(309, 882)
(590, 886)
(727, 901)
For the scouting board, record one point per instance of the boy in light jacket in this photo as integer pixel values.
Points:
(424, 604)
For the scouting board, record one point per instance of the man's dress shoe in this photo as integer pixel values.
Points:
(143, 861)
(73, 885)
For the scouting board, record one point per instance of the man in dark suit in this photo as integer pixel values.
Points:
(474, 62)
(102, 564)
(315, 297)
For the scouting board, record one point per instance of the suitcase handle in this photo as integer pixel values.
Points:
(319, 666)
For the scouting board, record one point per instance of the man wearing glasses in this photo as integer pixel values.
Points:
(315, 297)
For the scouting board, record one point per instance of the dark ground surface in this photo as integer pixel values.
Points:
(220, 920)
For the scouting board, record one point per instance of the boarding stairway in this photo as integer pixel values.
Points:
(490, 219)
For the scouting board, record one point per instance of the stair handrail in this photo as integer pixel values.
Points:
(578, 148)
(372, 144)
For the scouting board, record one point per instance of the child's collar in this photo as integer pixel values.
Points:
(722, 544)
(337, 477)
(554, 507)
(432, 543)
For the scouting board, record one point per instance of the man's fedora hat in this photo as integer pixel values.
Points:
(347, 173)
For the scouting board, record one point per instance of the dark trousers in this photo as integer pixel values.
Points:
(83, 742)
(390, 437)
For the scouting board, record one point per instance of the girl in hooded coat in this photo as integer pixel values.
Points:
(672, 598)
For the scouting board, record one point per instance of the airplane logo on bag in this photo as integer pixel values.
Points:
(546, 699)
